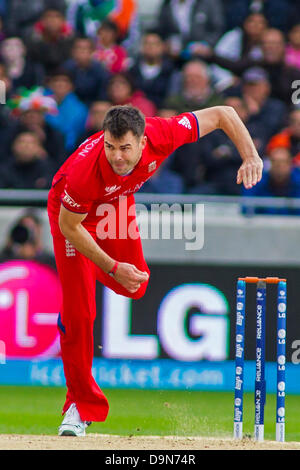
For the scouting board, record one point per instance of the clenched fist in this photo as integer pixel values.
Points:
(130, 277)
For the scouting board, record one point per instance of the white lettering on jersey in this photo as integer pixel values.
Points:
(89, 146)
(185, 123)
(70, 201)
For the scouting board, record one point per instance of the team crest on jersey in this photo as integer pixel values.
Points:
(185, 122)
(111, 189)
(152, 166)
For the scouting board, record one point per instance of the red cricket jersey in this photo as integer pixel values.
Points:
(87, 180)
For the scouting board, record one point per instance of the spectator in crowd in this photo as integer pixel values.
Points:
(21, 70)
(72, 113)
(89, 76)
(289, 138)
(240, 42)
(51, 41)
(152, 69)
(97, 112)
(28, 165)
(195, 90)
(29, 111)
(25, 240)
(292, 55)
(22, 14)
(269, 113)
(277, 12)
(108, 52)
(121, 90)
(183, 22)
(281, 75)
(282, 179)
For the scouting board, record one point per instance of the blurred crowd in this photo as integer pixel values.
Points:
(65, 62)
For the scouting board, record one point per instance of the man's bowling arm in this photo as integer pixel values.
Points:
(71, 227)
(227, 119)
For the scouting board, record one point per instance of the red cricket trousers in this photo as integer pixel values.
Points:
(78, 277)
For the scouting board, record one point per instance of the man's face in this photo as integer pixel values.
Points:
(195, 76)
(26, 147)
(255, 25)
(294, 36)
(259, 90)
(119, 90)
(32, 118)
(12, 49)
(61, 87)
(123, 153)
(107, 36)
(82, 52)
(281, 165)
(152, 47)
(53, 21)
(273, 46)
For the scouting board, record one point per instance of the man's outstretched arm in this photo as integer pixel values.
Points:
(227, 119)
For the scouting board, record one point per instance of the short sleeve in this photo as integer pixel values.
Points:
(74, 202)
(171, 133)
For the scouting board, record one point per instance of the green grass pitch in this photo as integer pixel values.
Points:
(36, 410)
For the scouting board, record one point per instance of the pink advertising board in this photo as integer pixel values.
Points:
(30, 299)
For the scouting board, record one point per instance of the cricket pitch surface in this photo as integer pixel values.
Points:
(113, 442)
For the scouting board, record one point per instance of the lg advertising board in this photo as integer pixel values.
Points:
(187, 314)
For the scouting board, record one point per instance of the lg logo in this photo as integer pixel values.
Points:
(202, 335)
(296, 93)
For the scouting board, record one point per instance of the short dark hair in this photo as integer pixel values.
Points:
(121, 119)
(109, 24)
(153, 32)
(125, 76)
(83, 38)
(60, 72)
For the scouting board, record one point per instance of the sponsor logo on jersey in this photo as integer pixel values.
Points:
(185, 122)
(111, 189)
(70, 201)
(130, 191)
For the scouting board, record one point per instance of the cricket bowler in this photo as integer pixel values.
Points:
(109, 166)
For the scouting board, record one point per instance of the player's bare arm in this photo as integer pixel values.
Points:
(71, 227)
(226, 118)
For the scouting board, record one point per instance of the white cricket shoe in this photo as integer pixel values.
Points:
(72, 424)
